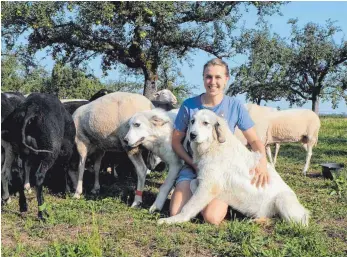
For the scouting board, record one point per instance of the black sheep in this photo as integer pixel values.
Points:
(42, 132)
(9, 102)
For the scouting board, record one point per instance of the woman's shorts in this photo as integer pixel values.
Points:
(186, 174)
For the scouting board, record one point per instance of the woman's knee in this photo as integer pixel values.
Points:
(212, 218)
(215, 212)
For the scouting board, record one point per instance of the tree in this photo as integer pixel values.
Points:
(66, 82)
(16, 77)
(170, 77)
(317, 64)
(10, 79)
(260, 78)
(138, 34)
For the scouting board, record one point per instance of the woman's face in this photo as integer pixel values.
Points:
(215, 80)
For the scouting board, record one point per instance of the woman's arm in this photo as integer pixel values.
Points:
(261, 176)
(177, 137)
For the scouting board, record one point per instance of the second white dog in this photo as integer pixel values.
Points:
(153, 130)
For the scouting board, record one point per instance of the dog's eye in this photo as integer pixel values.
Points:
(192, 121)
(205, 123)
(136, 125)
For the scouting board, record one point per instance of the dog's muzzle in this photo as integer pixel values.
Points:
(137, 143)
(192, 136)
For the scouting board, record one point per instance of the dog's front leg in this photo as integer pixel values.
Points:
(203, 195)
(165, 188)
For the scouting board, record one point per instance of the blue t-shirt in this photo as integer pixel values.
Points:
(230, 109)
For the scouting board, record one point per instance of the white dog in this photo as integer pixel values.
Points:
(224, 165)
(153, 129)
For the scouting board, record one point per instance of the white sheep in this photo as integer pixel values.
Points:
(275, 127)
(295, 125)
(165, 96)
(101, 126)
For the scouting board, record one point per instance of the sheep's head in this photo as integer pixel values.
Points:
(165, 96)
(206, 126)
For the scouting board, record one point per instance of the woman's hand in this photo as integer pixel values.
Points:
(195, 167)
(261, 175)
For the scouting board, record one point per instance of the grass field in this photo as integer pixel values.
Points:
(107, 226)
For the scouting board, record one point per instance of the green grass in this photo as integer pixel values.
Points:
(107, 226)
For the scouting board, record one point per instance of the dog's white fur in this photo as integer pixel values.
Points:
(153, 129)
(224, 165)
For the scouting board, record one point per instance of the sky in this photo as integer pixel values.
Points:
(317, 12)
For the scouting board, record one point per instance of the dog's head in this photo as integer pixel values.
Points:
(206, 126)
(144, 125)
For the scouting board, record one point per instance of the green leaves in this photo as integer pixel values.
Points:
(308, 66)
(78, 31)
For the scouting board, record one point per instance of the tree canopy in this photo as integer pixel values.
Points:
(309, 66)
(261, 77)
(140, 35)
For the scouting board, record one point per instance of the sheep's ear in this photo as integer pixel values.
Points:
(220, 133)
(157, 121)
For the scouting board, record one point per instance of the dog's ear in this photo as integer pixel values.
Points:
(219, 132)
(157, 121)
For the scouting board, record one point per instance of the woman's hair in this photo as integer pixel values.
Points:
(219, 62)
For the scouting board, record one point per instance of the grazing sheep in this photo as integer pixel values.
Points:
(275, 127)
(153, 130)
(42, 132)
(163, 97)
(9, 102)
(295, 125)
(224, 164)
(101, 126)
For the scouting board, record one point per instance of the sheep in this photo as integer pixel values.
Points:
(9, 102)
(101, 126)
(295, 125)
(223, 172)
(42, 132)
(275, 127)
(164, 99)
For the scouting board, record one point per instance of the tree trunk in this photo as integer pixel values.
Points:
(315, 104)
(150, 87)
(258, 101)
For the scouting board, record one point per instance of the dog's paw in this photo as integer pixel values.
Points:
(164, 221)
(77, 196)
(136, 204)
(153, 209)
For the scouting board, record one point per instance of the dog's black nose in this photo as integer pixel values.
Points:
(192, 136)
